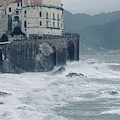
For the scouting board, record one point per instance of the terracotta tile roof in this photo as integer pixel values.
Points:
(17, 1)
(6, 3)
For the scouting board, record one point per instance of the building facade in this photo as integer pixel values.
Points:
(41, 19)
(34, 17)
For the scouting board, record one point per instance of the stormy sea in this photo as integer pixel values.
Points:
(86, 90)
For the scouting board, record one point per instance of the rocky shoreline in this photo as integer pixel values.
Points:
(8, 67)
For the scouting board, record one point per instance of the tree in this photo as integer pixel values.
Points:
(17, 31)
(4, 38)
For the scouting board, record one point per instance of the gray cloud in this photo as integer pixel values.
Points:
(91, 6)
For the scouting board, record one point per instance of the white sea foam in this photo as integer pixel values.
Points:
(35, 96)
(93, 69)
(113, 111)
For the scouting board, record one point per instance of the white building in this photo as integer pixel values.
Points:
(3, 21)
(35, 17)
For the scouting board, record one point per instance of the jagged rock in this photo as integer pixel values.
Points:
(72, 75)
(75, 75)
(59, 71)
(4, 94)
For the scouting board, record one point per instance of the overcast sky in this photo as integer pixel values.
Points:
(91, 7)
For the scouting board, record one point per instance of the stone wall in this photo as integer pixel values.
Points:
(3, 24)
(42, 54)
(21, 54)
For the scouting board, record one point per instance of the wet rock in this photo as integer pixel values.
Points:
(4, 94)
(72, 75)
(75, 75)
(114, 93)
(8, 67)
(80, 74)
(18, 70)
(59, 71)
(44, 63)
(1, 103)
(1, 68)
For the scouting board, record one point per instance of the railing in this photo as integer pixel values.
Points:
(2, 43)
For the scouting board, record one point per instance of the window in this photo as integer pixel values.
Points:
(40, 14)
(25, 24)
(47, 24)
(9, 9)
(40, 23)
(18, 4)
(53, 16)
(61, 26)
(58, 24)
(58, 17)
(46, 15)
(53, 24)
(17, 12)
(25, 12)
(61, 17)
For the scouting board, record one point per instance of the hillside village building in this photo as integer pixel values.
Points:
(34, 17)
(36, 41)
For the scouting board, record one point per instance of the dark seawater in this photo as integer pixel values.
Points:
(43, 96)
(100, 98)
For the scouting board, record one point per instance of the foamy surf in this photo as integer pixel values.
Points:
(43, 96)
